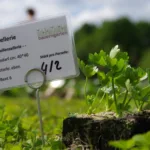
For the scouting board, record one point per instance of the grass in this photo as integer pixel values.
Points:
(24, 110)
(53, 109)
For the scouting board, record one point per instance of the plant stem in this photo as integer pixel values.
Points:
(114, 92)
(102, 98)
(100, 101)
(85, 89)
(142, 103)
(125, 97)
(136, 104)
(128, 101)
(97, 93)
(95, 98)
(141, 106)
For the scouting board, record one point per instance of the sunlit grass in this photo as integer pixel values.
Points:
(54, 110)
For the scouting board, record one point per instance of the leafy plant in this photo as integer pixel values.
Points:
(137, 142)
(119, 83)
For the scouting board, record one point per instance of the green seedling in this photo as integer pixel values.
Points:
(119, 82)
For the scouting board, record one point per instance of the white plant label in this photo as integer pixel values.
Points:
(46, 44)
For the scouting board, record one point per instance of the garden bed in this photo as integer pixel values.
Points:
(96, 130)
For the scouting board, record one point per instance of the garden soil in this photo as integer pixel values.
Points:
(96, 130)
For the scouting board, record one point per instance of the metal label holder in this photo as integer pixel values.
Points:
(37, 88)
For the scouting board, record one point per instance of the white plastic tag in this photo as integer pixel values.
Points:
(46, 44)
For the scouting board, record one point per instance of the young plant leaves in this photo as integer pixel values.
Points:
(114, 51)
(117, 78)
(87, 70)
(98, 58)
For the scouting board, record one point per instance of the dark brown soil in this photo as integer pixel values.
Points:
(95, 131)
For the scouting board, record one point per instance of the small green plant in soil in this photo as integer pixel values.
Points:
(137, 142)
(119, 82)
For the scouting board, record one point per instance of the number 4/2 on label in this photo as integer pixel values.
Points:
(49, 67)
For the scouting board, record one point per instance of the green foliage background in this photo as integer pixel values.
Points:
(132, 37)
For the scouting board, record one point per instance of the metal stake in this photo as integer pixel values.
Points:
(40, 115)
(37, 87)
